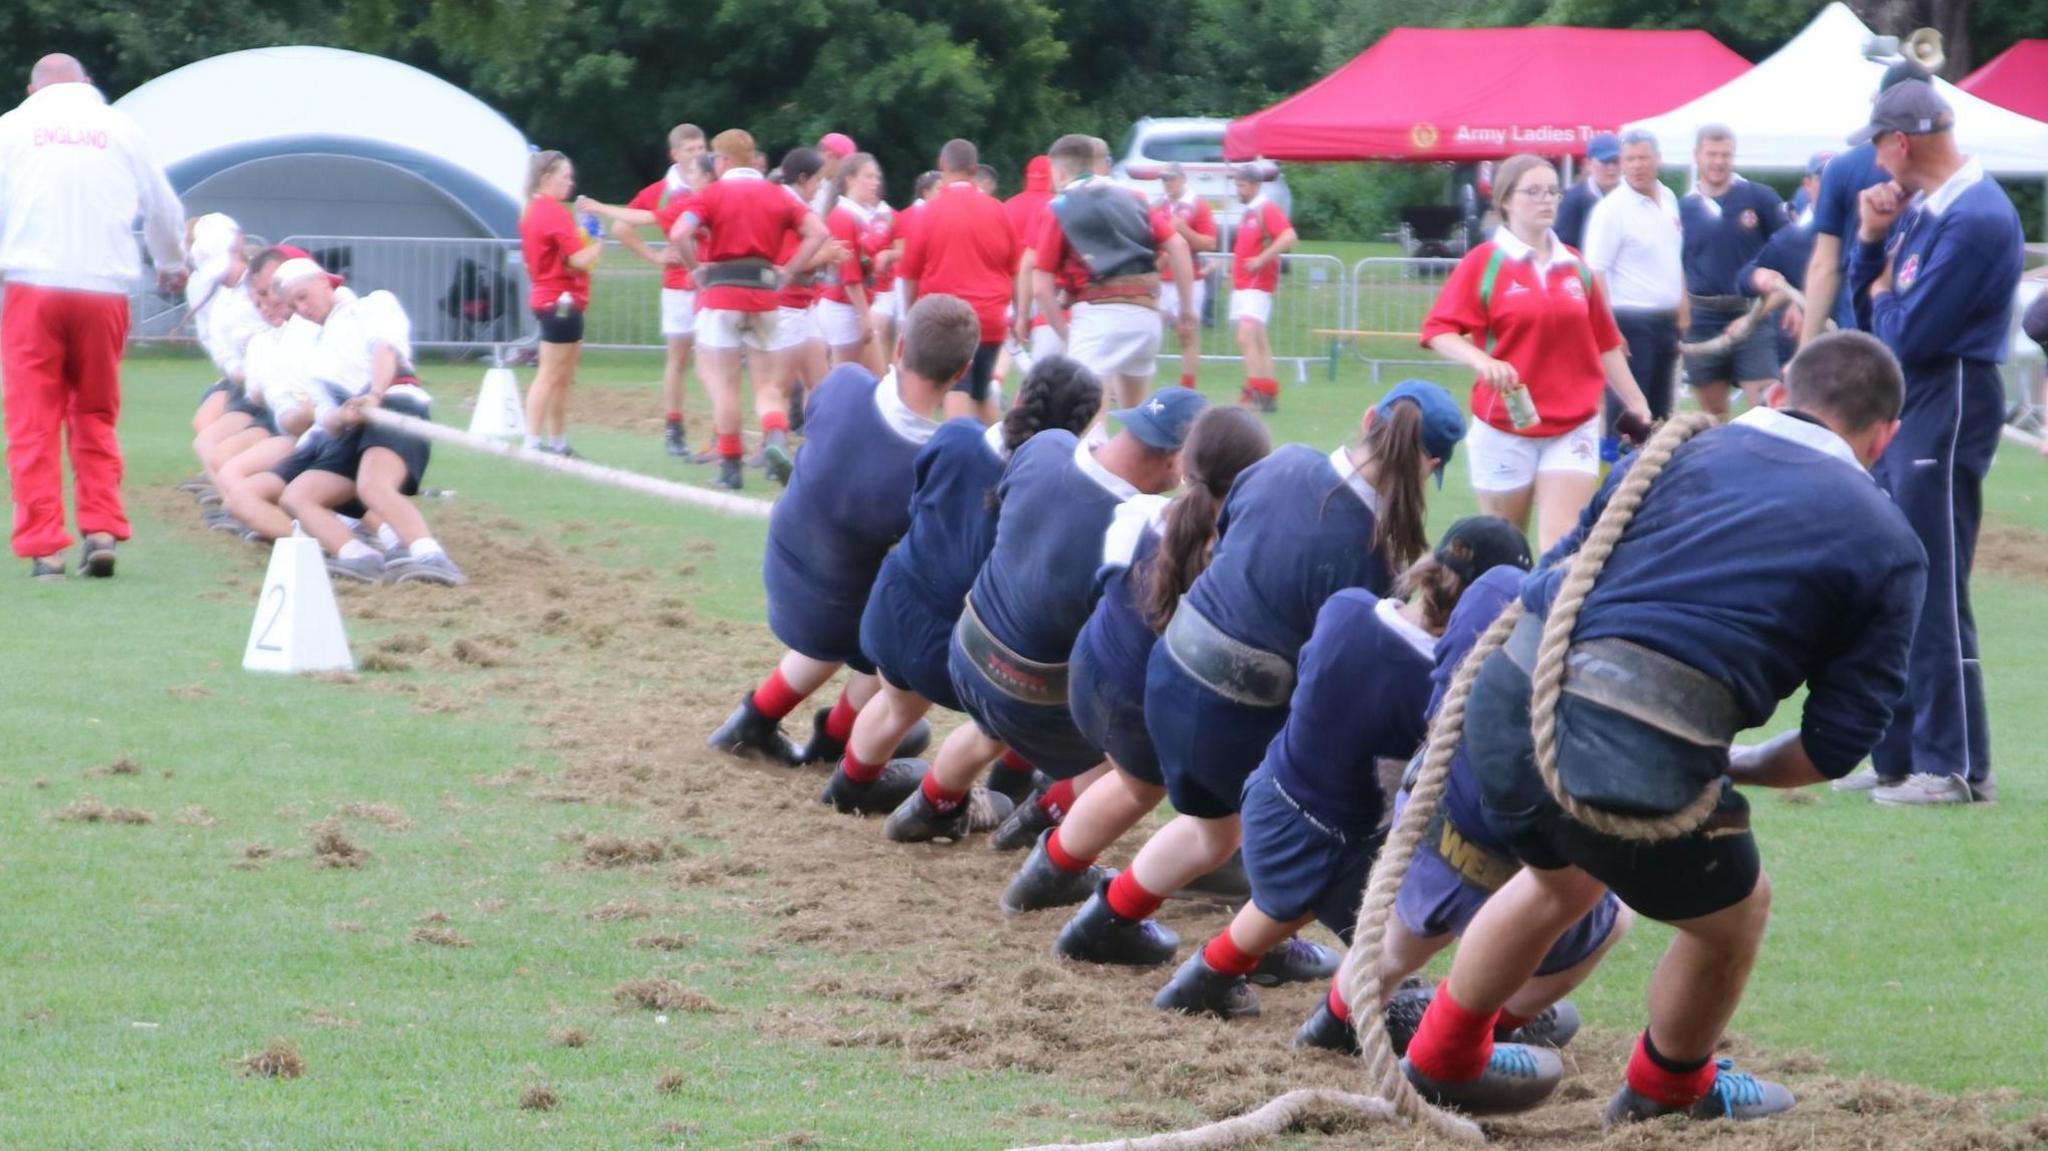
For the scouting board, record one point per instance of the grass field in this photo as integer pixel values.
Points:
(522, 761)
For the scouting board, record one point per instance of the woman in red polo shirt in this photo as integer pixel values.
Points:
(559, 256)
(1523, 311)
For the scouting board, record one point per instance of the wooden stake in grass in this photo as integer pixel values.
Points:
(279, 1059)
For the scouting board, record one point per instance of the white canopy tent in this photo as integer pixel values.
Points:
(1811, 94)
(322, 141)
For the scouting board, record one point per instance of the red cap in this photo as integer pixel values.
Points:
(838, 143)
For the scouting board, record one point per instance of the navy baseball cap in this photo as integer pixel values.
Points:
(1476, 545)
(1163, 419)
(1604, 147)
(1443, 421)
(1909, 106)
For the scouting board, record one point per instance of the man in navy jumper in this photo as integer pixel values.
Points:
(1834, 219)
(1726, 220)
(1938, 251)
(1764, 558)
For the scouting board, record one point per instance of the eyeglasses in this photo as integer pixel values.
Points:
(1541, 194)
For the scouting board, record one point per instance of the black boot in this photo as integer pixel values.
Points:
(748, 734)
(777, 459)
(1026, 825)
(1038, 884)
(1325, 1031)
(1098, 935)
(1404, 1013)
(1296, 961)
(1018, 785)
(824, 749)
(1227, 882)
(898, 782)
(916, 821)
(797, 395)
(729, 476)
(1199, 989)
(1554, 1027)
(672, 439)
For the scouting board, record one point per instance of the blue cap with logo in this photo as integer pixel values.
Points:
(1604, 147)
(1443, 421)
(1163, 419)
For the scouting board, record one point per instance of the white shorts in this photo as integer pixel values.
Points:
(1251, 304)
(678, 313)
(1115, 339)
(719, 328)
(794, 327)
(1046, 342)
(1169, 299)
(838, 323)
(883, 304)
(1505, 462)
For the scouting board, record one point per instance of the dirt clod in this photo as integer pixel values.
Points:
(377, 662)
(615, 851)
(384, 815)
(661, 995)
(89, 809)
(617, 911)
(569, 1037)
(539, 1097)
(666, 942)
(279, 1059)
(438, 937)
(333, 848)
(671, 1081)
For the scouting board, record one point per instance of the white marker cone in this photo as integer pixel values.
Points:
(499, 410)
(298, 624)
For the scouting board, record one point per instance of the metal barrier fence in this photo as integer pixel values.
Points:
(470, 295)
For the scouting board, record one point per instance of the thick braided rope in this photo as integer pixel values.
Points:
(1548, 678)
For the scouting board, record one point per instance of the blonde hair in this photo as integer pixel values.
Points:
(540, 168)
(1510, 174)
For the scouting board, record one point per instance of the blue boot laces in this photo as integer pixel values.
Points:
(1735, 1089)
(1513, 1061)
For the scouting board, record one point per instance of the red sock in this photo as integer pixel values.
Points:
(1187, 379)
(1224, 956)
(729, 447)
(1453, 1043)
(772, 422)
(1266, 385)
(1058, 800)
(1011, 761)
(839, 722)
(775, 698)
(943, 801)
(1664, 1080)
(1129, 899)
(1057, 853)
(675, 417)
(860, 772)
(1506, 1024)
(1338, 1007)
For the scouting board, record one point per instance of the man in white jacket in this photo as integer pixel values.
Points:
(74, 175)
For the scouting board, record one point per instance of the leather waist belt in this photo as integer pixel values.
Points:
(1482, 867)
(1236, 671)
(750, 272)
(1649, 687)
(1024, 680)
(1720, 305)
(1142, 288)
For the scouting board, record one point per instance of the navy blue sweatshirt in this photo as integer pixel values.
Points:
(1034, 592)
(1718, 243)
(1956, 258)
(1292, 533)
(1766, 557)
(1359, 697)
(1117, 632)
(952, 527)
(849, 497)
(1481, 604)
(1835, 212)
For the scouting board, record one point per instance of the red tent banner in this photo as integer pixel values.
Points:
(2015, 79)
(1484, 93)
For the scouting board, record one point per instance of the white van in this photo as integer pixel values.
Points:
(1196, 143)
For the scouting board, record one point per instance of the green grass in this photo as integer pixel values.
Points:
(138, 963)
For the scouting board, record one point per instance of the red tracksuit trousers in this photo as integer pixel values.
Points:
(60, 361)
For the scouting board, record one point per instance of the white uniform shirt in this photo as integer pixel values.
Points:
(1634, 240)
(227, 324)
(74, 174)
(344, 357)
(276, 363)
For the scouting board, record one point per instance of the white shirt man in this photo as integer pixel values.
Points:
(73, 175)
(1635, 246)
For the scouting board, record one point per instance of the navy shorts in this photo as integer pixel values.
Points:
(1109, 711)
(342, 455)
(981, 370)
(1207, 745)
(810, 621)
(217, 387)
(259, 414)
(904, 638)
(1714, 868)
(1297, 866)
(1042, 733)
(1754, 357)
(1435, 899)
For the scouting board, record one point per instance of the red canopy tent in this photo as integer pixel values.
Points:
(2016, 78)
(1485, 93)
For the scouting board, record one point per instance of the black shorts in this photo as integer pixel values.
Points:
(259, 415)
(1714, 868)
(980, 371)
(217, 387)
(559, 329)
(342, 455)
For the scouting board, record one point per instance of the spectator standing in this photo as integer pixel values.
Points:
(1726, 221)
(1603, 175)
(74, 174)
(559, 255)
(1633, 247)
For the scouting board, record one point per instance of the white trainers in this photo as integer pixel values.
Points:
(1923, 790)
(1866, 779)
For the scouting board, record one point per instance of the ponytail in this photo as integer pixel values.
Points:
(1057, 393)
(1221, 445)
(1439, 587)
(1394, 441)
